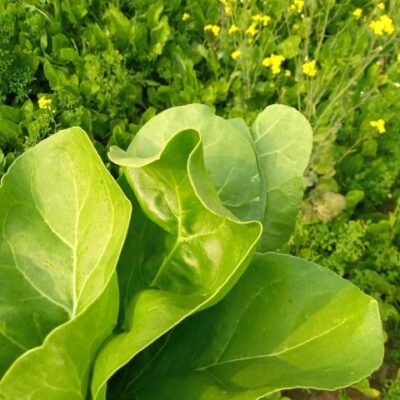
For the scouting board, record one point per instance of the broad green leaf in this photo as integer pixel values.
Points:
(256, 206)
(63, 222)
(59, 368)
(283, 140)
(183, 255)
(288, 323)
(229, 157)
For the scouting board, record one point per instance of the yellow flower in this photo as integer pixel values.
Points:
(357, 13)
(235, 54)
(296, 27)
(382, 25)
(274, 61)
(387, 22)
(233, 28)
(288, 73)
(297, 5)
(185, 16)
(265, 20)
(44, 103)
(376, 27)
(398, 57)
(252, 30)
(227, 7)
(379, 125)
(381, 5)
(310, 68)
(214, 29)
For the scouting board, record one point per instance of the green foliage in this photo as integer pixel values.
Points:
(282, 140)
(232, 331)
(155, 163)
(365, 251)
(59, 291)
(233, 351)
(111, 66)
(17, 66)
(393, 388)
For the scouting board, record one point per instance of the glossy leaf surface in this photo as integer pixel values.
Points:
(63, 222)
(229, 157)
(191, 249)
(288, 323)
(283, 141)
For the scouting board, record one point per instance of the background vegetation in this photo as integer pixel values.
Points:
(109, 66)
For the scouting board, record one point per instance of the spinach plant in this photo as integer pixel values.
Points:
(185, 298)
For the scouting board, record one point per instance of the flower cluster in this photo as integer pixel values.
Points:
(379, 125)
(44, 103)
(310, 68)
(228, 6)
(357, 13)
(274, 61)
(258, 20)
(252, 30)
(232, 29)
(214, 29)
(185, 16)
(297, 5)
(382, 25)
(235, 54)
(263, 19)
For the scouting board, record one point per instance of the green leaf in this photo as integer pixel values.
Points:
(159, 29)
(10, 113)
(59, 80)
(229, 157)
(59, 368)
(153, 14)
(63, 222)
(182, 256)
(74, 10)
(118, 25)
(288, 323)
(70, 54)
(53, 76)
(10, 133)
(283, 140)
(159, 36)
(290, 47)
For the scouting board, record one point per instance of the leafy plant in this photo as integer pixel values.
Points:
(110, 66)
(203, 214)
(63, 221)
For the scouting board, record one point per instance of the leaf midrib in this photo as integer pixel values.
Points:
(277, 353)
(73, 247)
